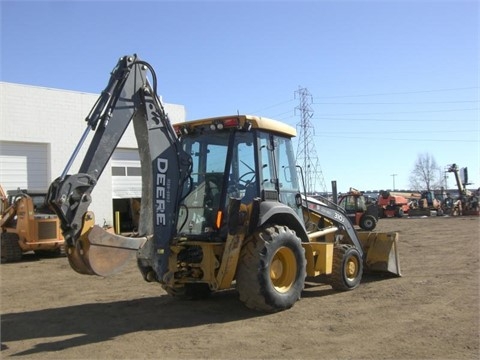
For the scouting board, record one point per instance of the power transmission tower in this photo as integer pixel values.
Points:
(306, 151)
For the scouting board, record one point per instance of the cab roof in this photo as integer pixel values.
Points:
(257, 122)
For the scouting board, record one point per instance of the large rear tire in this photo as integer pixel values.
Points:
(11, 251)
(347, 268)
(272, 269)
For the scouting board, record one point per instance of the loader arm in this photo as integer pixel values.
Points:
(379, 251)
(165, 167)
(338, 217)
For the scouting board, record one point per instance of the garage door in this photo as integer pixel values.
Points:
(126, 174)
(24, 165)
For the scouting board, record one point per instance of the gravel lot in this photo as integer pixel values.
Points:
(50, 312)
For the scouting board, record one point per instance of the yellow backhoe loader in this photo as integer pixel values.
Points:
(221, 205)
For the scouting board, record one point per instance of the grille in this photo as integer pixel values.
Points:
(47, 230)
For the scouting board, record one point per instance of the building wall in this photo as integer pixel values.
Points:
(56, 117)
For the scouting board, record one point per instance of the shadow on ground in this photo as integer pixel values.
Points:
(90, 323)
(97, 322)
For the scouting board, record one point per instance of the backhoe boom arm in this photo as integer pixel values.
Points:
(165, 167)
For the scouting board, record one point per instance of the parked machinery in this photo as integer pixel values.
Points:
(360, 213)
(28, 224)
(468, 201)
(391, 205)
(221, 205)
(427, 205)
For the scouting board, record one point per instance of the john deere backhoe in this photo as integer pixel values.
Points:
(221, 205)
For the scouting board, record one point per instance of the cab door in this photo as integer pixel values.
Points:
(349, 204)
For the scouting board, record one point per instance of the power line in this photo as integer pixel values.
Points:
(399, 93)
(272, 106)
(404, 112)
(397, 103)
(283, 113)
(375, 103)
(393, 120)
(396, 132)
(375, 94)
(404, 139)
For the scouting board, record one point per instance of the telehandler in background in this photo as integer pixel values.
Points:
(358, 210)
(353, 204)
(28, 224)
(392, 205)
(221, 205)
(468, 201)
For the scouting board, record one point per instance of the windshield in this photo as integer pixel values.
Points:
(223, 166)
(233, 164)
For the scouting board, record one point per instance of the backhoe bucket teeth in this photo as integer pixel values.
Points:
(100, 252)
(381, 252)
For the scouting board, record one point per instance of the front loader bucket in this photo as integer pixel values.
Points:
(381, 252)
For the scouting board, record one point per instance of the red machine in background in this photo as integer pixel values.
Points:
(360, 212)
(391, 205)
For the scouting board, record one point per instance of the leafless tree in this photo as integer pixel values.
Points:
(426, 174)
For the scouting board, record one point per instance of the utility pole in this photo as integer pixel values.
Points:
(393, 176)
(445, 178)
(306, 151)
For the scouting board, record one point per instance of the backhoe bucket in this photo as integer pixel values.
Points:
(100, 252)
(381, 252)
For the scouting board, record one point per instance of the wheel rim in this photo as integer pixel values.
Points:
(283, 269)
(351, 268)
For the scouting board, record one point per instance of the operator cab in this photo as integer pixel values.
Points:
(242, 157)
(353, 204)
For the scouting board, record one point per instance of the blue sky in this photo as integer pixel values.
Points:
(389, 79)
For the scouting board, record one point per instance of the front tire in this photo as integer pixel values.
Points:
(272, 269)
(347, 268)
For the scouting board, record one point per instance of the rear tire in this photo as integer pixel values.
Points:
(347, 268)
(272, 269)
(11, 251)
(368, 222)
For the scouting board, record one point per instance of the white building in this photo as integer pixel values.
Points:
(40, 128)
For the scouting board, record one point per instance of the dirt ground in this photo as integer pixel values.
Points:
(432, 312)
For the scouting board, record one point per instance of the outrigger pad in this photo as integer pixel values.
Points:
(381, 252)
